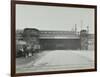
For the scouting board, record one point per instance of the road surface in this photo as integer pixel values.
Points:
(60, 59)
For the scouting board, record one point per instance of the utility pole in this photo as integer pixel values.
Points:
(87, 29)
(87, 36)
(81, 24)
(75, 29)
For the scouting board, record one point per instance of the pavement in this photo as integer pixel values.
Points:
(59, 59)
(26, 62)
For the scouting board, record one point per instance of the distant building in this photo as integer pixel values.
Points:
(19, 34)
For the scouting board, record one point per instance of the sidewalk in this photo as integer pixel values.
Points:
(26, 62)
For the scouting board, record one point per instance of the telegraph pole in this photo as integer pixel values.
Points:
(81, 24)
(88, 36)
(87, 29)
(75, 29)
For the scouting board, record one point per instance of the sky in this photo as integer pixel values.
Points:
(54, 18)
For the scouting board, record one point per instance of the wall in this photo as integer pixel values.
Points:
(60, 44)
(5, 43)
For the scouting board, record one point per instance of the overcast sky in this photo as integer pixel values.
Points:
(54, 18)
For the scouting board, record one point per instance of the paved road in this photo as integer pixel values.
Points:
(60, 59)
